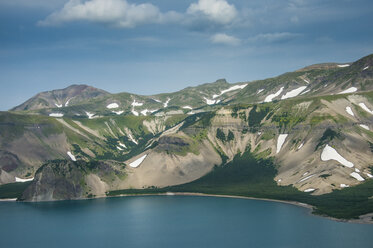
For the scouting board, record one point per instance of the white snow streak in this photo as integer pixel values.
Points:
(188, 107)
(364, 126)
(236, 87)
(138, 161)
(346, 65)
(90, 115)
(71, 156)
(280, 141)
(259, 91)
(309, 190)
(365, 68)
(132, 139)
(58, 105)
(344, 185)
(118, 112)
(304, 179)
(300, 146)
(294, 93)
(165, 105)
(135, 113)
(329, 153)
(349, 90)
(270, 97)
(56, 115)
(21, 180)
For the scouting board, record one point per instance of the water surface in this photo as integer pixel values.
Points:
(173, 221)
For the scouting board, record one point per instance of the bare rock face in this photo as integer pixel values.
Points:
(57, 180)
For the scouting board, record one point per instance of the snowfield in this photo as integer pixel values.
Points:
(349, 111)
(137, 104)
(138, 161)
(364, 126)
(280, 141)
(342, 66)
(349, 90)
(357, 176)
(294, 93)
(270, 97)
(21, 180)
(56, 115)
(329, 153)
(71, 156)
(233, 88)
(112, 106)
(363, 106)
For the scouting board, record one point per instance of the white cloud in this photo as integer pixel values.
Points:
(114, 12)
(225, 39)
(218, 11)
(273, 37)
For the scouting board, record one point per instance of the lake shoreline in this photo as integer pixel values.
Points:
(364, 219)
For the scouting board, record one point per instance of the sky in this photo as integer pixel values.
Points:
(149, 47)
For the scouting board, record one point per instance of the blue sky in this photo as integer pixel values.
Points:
(149, 47)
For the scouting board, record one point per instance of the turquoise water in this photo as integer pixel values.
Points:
(173, 221)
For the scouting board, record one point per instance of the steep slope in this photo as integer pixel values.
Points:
(71, 95)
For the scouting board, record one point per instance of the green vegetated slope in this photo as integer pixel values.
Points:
(249, 176)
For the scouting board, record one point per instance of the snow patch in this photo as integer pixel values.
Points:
(306, 178)
(58, 105)
(165, 105)
(68, 102)
(188, 107)
(157, 100)
(56, 115)
(349, 90)
(137, 104)
(132, 139)
(71, 156)
(329, 153)
(369, 175)
(365, 68)
(357, 170)
(233, 88)
(118, 112)
(122, 145)
(119, 148)
(305, 80)
(270, 97)
(364, 126)
(210, 102)
(21, 180)
(138, 161)
(357, 176)
(135, 113)
(112, 106)
(344, 185)
(300, 146)
(349, 111)
(342, 66)
(260, 91)
(293, 93)
(363, 106)
(90, 115)
(144, 112)
(305, 92)
(309, 190)
(280, 141)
